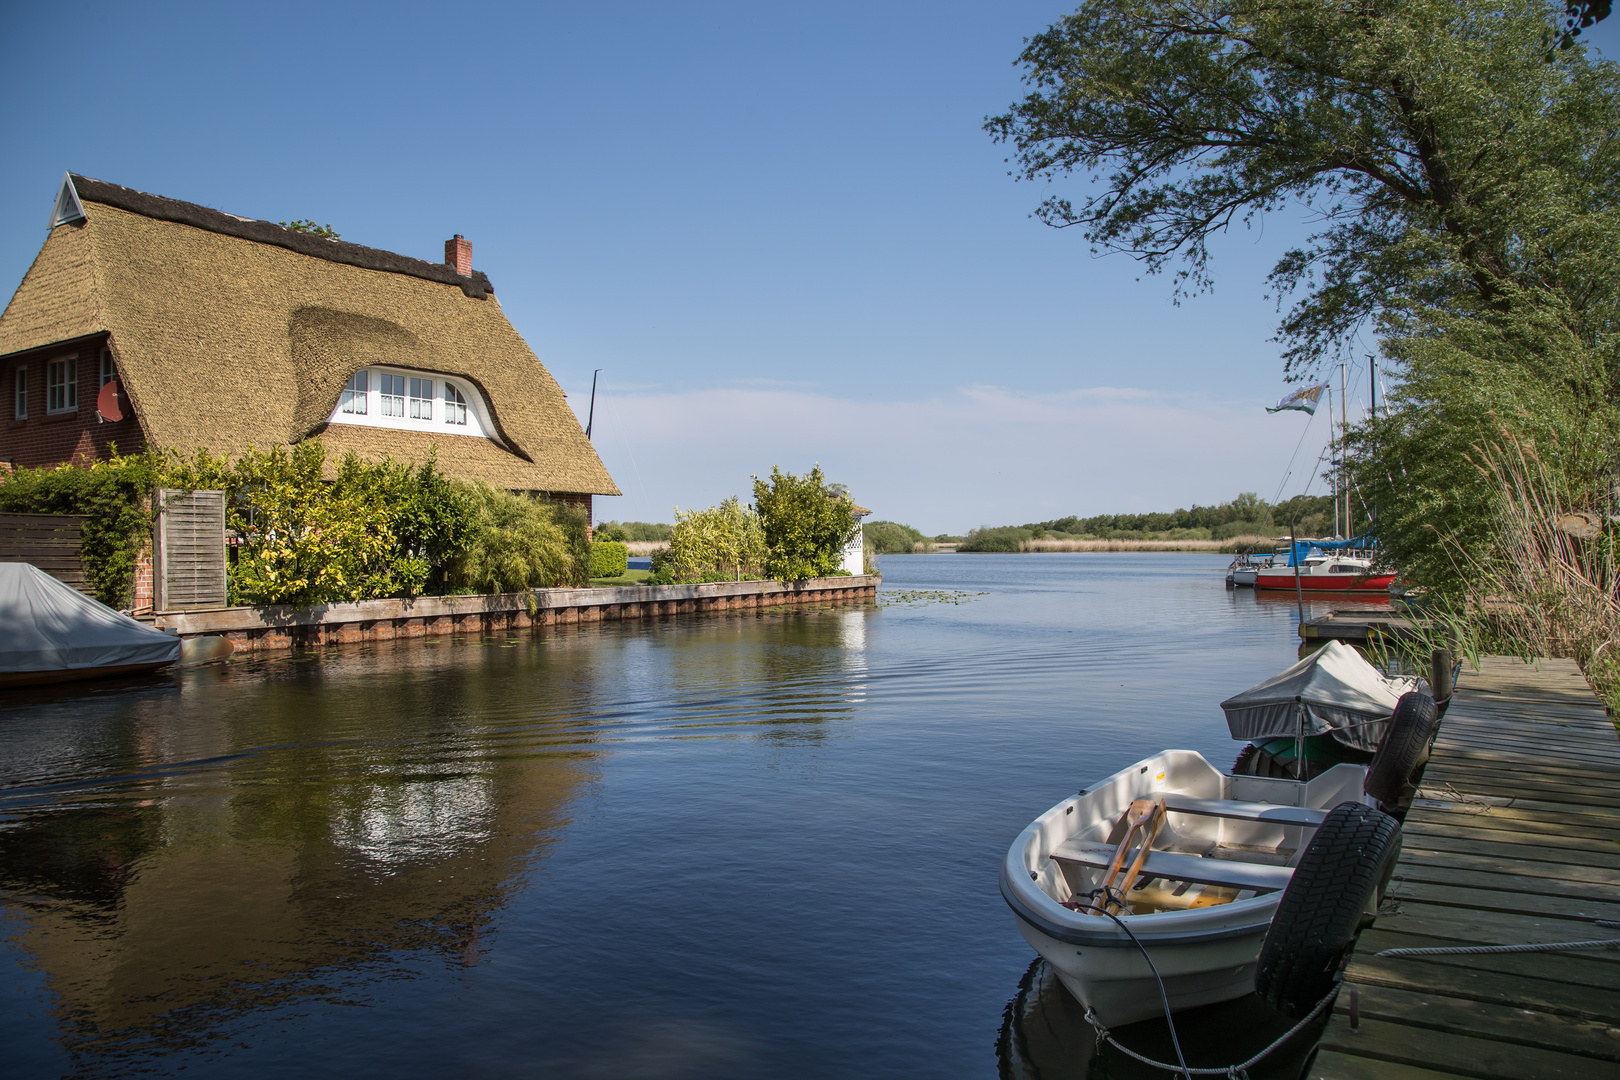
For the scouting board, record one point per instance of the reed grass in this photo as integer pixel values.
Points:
(1547, 585)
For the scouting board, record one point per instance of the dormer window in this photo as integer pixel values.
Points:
(353, 399)
(421, 399)
(413, 401)
(393, 395)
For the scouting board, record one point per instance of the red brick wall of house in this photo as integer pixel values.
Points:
(79, 435)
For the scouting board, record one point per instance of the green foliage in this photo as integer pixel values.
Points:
(1003, 538)
(805, 525)
(642, 531)
(661, 567)
(888, 537)
(519, 542)
(305, 225)
(1441, 144)
(609, 558)
(721, 543)
(115, 496)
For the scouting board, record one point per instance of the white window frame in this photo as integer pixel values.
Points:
(419, 398)
(365, 409)
(392, 404)
(69, 367)
(19, 399)
(455, 405)
(109, 371)
(356, 394)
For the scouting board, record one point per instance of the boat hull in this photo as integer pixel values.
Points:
(1244, 576)
(1315, 583)
(1204, 954)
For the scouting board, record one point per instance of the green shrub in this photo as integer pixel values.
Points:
(115, 497)
(805, 523)
(1002, 538)
(718, 544)
(519, 542)
(662, 567)
(609, 558)
(889, 537)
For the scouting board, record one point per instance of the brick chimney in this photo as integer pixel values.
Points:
(458, 255)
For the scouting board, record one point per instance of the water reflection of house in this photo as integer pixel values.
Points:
(214, 894)
(219, 332)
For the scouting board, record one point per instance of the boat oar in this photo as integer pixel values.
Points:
(1147, 817)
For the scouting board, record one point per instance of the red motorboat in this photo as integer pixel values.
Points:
(1318, 573)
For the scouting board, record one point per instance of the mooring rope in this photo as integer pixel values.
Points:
(1239, 1071)
(1548, 946)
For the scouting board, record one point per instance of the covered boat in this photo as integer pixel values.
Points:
(1334, 691)
(51, 632)
(1194, 861)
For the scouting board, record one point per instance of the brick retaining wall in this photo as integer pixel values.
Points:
(253, 629)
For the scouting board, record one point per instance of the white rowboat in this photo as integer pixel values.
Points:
(1221, 851)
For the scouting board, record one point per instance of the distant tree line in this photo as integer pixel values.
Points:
(1245, 515)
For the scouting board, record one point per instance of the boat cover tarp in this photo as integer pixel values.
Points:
(1335, 691)
(48, 626)
(1304, 549)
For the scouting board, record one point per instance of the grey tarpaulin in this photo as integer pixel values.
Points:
(48, 626)
(1338, 691)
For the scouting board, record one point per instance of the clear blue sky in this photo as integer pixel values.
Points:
(779, 230)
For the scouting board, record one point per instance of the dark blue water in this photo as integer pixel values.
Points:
(739, 845)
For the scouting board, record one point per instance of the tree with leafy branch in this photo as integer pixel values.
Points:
(805, 524)
(306, 225)
(1460, 169)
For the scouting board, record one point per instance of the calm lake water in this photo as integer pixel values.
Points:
(730, 846)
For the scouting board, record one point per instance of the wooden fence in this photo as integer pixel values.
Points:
(49, 541)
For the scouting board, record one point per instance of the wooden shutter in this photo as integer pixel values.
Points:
(49, 541)
(189, 570)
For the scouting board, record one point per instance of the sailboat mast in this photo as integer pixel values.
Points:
(1332, 442)
(1344, 426)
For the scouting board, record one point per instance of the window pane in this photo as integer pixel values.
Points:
(353, 399)
(20, 406)
(72, 384)
(455, 406)
(107, 372)
(421, 399)
(393, 395)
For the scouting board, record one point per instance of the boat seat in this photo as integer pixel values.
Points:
(1242, 811)
(1168, 864)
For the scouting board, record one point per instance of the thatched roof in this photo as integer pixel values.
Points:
(230, 332)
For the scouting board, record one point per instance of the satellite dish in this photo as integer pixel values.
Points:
(110, 402)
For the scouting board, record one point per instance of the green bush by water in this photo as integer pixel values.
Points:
(609, 559)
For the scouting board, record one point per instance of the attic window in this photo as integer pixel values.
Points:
(421, 399)
(62, 385)
(67, 206)
(393, 395)
(353, 400)
(407, 400)
(455, 406)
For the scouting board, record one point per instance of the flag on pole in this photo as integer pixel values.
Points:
(1304, 400)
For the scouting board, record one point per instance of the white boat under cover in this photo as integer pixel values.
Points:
(49, 628)
(1205, 894)
(1333, 690)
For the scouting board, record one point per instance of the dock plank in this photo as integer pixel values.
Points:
(1512, 841)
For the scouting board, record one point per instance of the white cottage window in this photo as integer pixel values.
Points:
(62, 385)
(393, 395)
(455, 406)
(353, 400)
(421, 399)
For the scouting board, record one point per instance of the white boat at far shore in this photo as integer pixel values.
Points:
(1217, 858)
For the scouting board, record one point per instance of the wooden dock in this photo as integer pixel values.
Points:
(1361, 627)
(1515, 838)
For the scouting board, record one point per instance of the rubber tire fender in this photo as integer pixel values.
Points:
(1404, 749)
(1332, 896)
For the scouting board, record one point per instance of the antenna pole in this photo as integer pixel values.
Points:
(591, 418)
